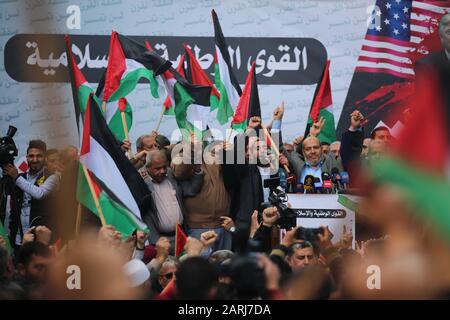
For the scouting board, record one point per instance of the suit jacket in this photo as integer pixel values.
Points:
(183, 189)
(328, 163)
(439, 63)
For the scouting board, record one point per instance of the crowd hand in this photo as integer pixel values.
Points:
(141, 156)
(162, 248)
(270, 216)
(254, 224)
(141, 238)
(29, 236)
(43, 234)
(154, 134)
(346, 239)
(126, 248)
(356, 119)
(108, 235)
(227, 223)
(316, 128)
(10, 170)
(361, 249)
(298, 140)
(126, 145)
(193, 247)
(290, 238)
(271, 272)
(2, 242)
(325, 238)
(283, 160)
(278, 112)
(208, 238)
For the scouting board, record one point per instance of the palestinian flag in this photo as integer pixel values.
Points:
(168, 107)
(196, 75)
(423, 171)
(225, 80)
(128, 62)
(191, 106)
(180, 240)
(122, 194)
(80, 87)
(248, 104)
(322, 106)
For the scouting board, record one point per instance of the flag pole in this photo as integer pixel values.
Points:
(125, 131)
(274, 147)
(231, 132)
(160, 119)
(104, 106)
(94, 195)
(78, 221)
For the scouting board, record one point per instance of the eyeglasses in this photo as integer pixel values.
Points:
(168, 276)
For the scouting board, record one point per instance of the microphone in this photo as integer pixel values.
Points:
(327, 183)
(308, 184)
(336, 177)
(344, 179)
(318, 185)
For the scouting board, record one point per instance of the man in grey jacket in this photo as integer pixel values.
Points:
(168, 195)
(312, 161)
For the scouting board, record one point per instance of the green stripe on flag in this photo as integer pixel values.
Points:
(348, 203)
(115, 214)
(241, 127)
(428, 192)
(116, 125)
(225, 111)
(328, 132)
(129, 82)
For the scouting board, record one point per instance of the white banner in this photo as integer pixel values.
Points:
(317, 210)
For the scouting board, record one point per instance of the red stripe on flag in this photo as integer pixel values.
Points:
(385, 50)
(95, 185)
(388, 40)
(323, 98)
(86, 139)
(180, 240)
(380, 60)
(199, 76)
(116, 66)
(78, 76)
(384, 70)
(122, 104)
(241, 113)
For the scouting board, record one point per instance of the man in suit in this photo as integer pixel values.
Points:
(438, 62)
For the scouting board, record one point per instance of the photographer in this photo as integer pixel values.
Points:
(31, 189)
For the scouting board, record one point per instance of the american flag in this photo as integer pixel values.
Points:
(396, 33)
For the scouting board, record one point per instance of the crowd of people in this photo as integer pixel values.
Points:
(233, 248)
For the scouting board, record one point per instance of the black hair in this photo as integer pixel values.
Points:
(37, 144)
(29, 249)
(195, 278)
(324, 143)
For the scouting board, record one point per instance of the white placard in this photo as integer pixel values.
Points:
(323, 210)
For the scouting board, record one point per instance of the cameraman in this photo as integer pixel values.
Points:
(27, 204)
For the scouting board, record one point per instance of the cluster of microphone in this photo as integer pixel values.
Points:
(328, 183)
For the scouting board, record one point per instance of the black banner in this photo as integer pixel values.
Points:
(281, 61)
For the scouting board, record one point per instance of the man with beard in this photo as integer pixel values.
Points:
(246, 180)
